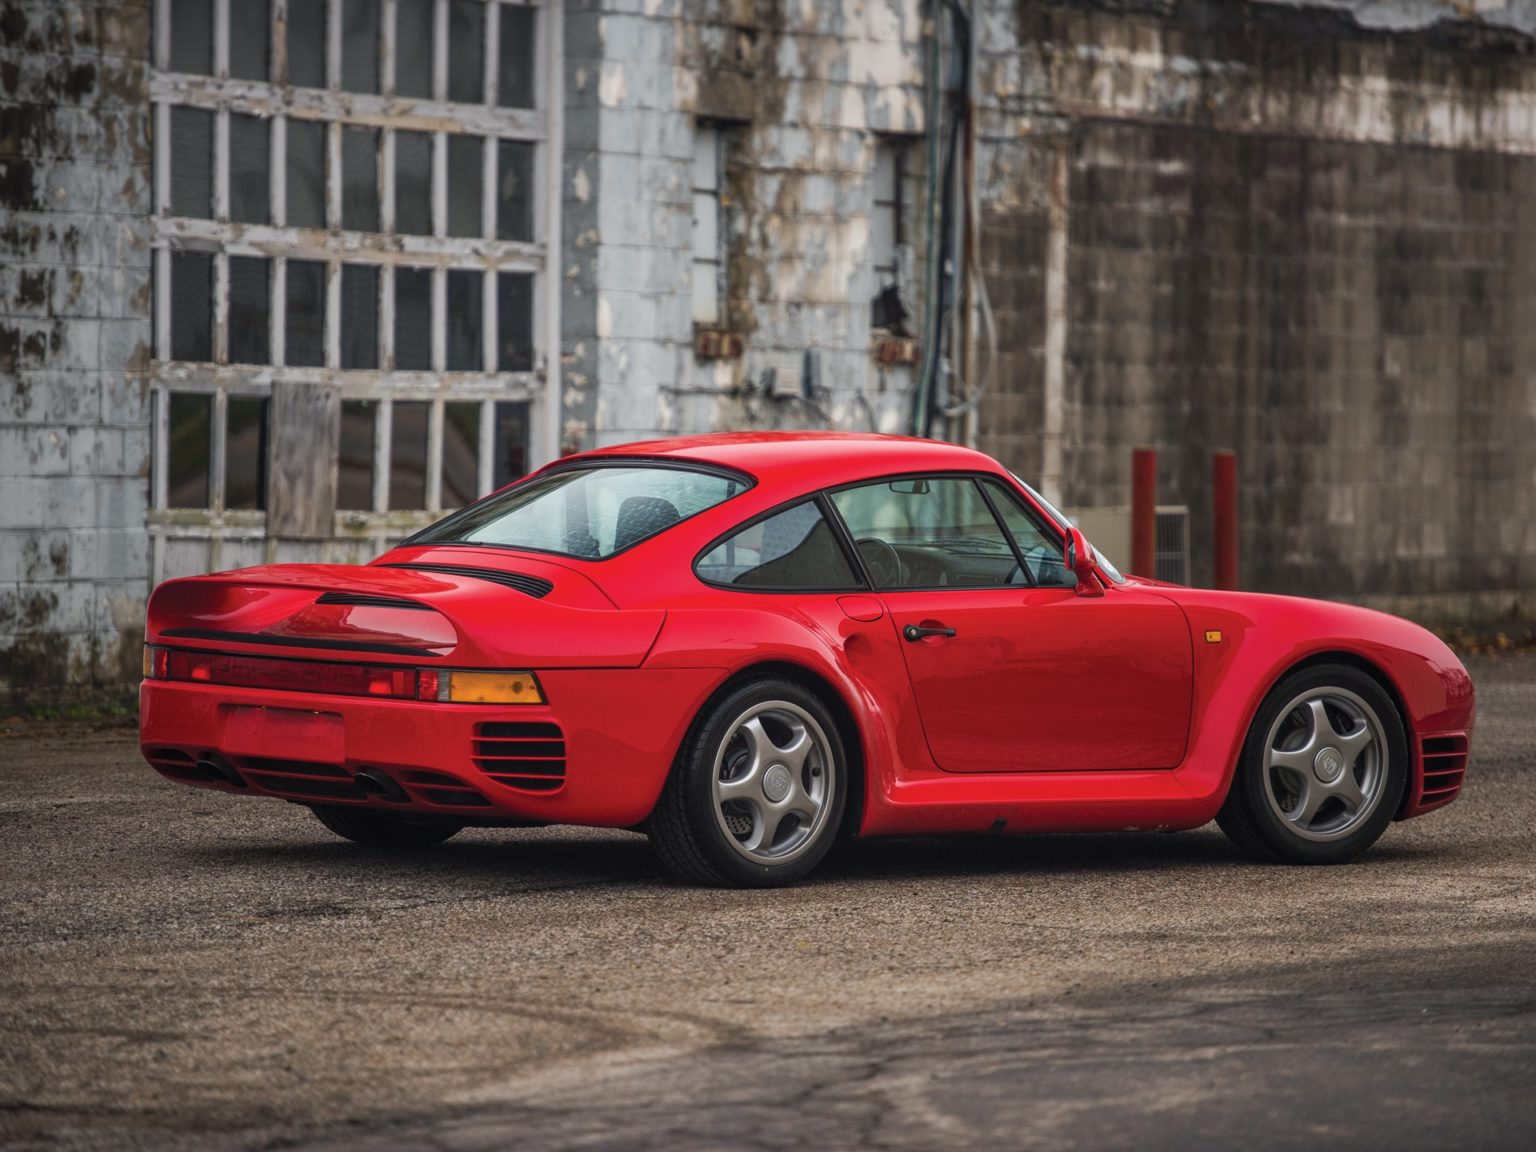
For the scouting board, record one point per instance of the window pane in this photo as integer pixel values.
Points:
(794, 549)
(359, 316)
(192, 37)
(250, 169)
(360, 179)
(413, 48)
(413, 183)
(466, 167)
(413, 319)
(466, 321)
(191, 306)
(515, 79)
(408, 455)
(360, 45)
(192, 163)
(466, 51)
(250, 303)
(187, 450)
(514, 190)
(461, 454)
(1042, 552)
(927, 533)
(514, 322)
(511, 446)
(304, 317)
(354, 478)
(250, 39)
(306, 174)
(587, 512)
(245, 453)
(307, 43)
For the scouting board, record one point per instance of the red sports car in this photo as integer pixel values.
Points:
(751, 645)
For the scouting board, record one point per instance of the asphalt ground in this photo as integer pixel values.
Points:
(181, 969)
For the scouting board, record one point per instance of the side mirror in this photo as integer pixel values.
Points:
(1079, 559)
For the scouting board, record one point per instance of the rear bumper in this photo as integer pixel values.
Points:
(598, 753)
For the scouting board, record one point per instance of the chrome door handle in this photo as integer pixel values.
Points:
(915, 632)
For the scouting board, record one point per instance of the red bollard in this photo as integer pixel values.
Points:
(1144, 512)
(1224, 519)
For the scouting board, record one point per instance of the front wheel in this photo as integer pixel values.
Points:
(1322, 772)
(383, 829)
(757, 794)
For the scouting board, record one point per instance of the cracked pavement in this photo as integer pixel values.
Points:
(180, 969)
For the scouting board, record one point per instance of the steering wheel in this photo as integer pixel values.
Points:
(883, 561)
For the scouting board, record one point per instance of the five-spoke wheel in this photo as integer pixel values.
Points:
(1322, 771)
(758, 791)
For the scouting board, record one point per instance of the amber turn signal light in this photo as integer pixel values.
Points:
(488, 688)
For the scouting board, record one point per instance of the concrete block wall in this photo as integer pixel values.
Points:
(74, 347)
(806, 89)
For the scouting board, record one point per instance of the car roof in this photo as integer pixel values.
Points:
(835, 457)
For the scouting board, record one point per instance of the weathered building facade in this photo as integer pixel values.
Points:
(283, 279)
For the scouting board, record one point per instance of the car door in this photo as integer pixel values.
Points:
(1011, 670)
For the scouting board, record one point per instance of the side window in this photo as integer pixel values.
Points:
(927, 532)
(1041, 551)
(793, 549)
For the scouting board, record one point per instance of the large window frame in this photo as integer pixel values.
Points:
(485, 256)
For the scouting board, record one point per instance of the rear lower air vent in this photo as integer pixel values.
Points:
(535, 586)
(1445, 767)
(521, 754)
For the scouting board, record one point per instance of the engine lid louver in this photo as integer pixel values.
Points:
(535, 586)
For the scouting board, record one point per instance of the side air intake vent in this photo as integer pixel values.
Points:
(521, 754)
(535, 586)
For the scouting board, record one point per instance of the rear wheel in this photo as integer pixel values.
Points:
(384, 829)
(757, 794)
(1322, 771)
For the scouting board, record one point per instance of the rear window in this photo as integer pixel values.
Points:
(589, 513)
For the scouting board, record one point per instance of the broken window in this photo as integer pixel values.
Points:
(305, 178)
(408, 454)
(250, 169)
(250, 39)
(245, 452)
(191, 306)
(304, 314)
(466, 172)
(413, 183)
(307, 43)
(354, 481)
(192, 163)
(413, 319)
(461, 453)
(415, 32)
(360, 179)
(250, 306)
(708, 253)
(515, 68)
(514, 322)
(466, 51)
(514, 190)
(359, 45)
(359, 316)
(889, 309)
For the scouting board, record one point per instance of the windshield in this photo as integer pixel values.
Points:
(1060, 517)
(590, 513)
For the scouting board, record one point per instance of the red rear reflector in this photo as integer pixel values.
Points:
(292, 675)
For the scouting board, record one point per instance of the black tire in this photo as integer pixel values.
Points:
(1286, 769)
(384, 829)
(708, 840)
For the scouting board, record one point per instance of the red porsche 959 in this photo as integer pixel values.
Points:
(750, 645)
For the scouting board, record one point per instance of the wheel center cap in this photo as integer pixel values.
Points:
(1329, 765)
(776, 783)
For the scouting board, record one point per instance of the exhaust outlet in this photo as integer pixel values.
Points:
(223, 769)
(376, 783)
